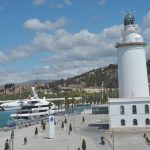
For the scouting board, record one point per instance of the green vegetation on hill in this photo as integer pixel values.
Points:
(94, 78)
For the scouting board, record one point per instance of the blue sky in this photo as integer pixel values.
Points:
(54, 39)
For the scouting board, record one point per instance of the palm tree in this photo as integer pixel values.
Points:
(65, 121)
(70, 127)
(62, 125)
(36, 131)
(6, 145)
(25, 140)
(83, 120)
(83, 145)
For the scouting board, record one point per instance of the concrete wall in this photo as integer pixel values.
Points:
(115, 116)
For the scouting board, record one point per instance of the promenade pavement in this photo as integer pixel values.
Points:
(64, 141)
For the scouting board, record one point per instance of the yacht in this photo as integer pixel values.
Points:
(12, 105)
(17, 104)
(35, 107)
(32, 108)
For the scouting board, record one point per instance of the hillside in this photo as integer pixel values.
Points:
(95, 77)
(91, 79)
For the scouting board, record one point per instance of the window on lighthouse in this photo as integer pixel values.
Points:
(134, 122)
(146, 109)
(121, 110)
(122, 122)
(134, 111)
(147, 121)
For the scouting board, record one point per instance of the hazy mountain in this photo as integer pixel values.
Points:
(94, 78)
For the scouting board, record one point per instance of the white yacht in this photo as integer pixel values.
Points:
(18, 103)
(32, 108)
(35, 108)
(12, 105)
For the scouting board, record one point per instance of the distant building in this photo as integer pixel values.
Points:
(100, 109)
(98, 90)
(92, 90)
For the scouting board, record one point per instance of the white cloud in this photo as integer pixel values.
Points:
(78, 52)
(102, 2)
(146, 33)
(147, 20)
(14, 76)
(83, 45)
(56, 4)
(53, 3)
(3, 58)
(36, 24)
(41, 70)
(70, 53)
(67, 2)
(39, 2)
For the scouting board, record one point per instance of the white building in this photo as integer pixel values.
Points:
(131, 109)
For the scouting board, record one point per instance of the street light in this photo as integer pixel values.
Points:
(113, 141)
(12, 138)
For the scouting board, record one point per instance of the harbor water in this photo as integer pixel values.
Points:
(5, 115)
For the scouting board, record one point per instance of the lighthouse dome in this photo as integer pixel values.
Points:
(133, 37)
(129, 19)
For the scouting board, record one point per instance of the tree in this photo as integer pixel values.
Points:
(36, 131)
(62, 125)
(83, 120)
(6, 145)
(65, 121)
(144, 135)
(70, 127)
(9, 86)
(102, 140)
(12, 138)
(83, 145)
(25, 140)
(55, 122)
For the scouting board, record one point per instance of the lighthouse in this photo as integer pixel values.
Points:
(132, 108)
(132, 70)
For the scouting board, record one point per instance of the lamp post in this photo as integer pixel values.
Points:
(113, 141)
(12, 138)
(73, 112)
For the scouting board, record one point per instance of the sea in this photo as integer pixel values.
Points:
(5, 115)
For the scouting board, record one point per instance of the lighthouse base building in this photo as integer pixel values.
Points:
(129, 112)
(131, 109)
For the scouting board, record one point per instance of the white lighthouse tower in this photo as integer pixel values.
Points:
(132, 71)
(132, 108)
